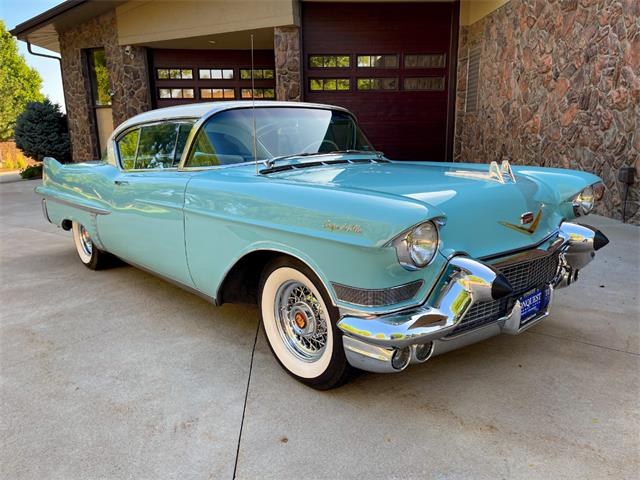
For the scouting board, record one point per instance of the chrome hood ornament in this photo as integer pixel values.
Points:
(500, 174)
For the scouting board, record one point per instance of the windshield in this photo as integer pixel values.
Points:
(227, 137)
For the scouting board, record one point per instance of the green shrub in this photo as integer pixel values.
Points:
(32, 171)
(41, 131)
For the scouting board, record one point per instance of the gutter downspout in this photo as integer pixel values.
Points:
(59, 59)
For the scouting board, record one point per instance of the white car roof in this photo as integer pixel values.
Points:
(200, 110)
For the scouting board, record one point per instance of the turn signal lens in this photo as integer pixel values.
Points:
(584, 202)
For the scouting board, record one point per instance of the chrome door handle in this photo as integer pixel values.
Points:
(121, 182)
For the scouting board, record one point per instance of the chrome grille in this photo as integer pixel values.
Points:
(523, 276)
(377, 297)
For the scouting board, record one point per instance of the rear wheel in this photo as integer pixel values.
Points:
(300, 325)
(89, 254)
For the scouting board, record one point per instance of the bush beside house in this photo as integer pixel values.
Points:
(41, 131)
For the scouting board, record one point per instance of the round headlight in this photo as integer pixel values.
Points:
(584, 202)
(417, 248)
(423, 243)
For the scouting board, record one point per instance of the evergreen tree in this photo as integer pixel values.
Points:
(41, 131)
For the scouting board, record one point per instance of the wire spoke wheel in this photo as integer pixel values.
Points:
(301, 321)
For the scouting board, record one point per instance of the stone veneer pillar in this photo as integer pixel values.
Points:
(288, 63)
(559, 86)
(128, 78)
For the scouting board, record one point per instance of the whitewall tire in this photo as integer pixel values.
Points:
(89, 254)
(299, 322)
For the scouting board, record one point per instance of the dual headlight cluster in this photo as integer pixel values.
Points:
(417, 247)
(584, 202)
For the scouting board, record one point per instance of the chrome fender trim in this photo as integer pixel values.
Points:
(466, 282)
(86, 208)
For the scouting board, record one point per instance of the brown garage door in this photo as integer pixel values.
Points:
(187, 76)
(390, 65)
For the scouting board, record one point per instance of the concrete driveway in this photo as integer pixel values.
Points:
(118, 374)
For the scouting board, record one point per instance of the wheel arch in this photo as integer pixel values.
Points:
(241, 280)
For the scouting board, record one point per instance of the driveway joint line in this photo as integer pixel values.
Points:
(585, 343)
(246, 396)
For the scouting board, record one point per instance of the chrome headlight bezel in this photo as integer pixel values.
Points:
(417, 247)
(585, 201)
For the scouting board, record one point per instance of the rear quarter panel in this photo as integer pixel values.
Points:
(72, 190)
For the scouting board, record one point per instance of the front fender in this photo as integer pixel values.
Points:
(340, 234)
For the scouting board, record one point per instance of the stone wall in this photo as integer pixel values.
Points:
(288, 63)
(559, 86)
(127, 76)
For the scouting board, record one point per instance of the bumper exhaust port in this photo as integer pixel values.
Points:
(401, 358)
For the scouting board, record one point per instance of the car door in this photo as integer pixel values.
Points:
(146, 226)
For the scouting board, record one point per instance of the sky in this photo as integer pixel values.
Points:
(14, 12)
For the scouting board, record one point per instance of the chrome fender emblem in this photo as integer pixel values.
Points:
(524, 220)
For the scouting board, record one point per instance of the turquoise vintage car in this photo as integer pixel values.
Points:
(354, 260)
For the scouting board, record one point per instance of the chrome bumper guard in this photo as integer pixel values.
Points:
(389, 342)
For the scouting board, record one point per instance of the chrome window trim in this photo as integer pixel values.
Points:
(139, 126)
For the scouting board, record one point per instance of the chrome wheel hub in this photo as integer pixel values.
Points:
(85, 241)
(301, 322)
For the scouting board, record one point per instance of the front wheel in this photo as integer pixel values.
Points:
(300, 325)
(89, 254)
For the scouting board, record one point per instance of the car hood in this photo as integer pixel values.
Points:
(482, 215)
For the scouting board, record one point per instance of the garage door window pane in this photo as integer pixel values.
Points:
(329, 61)
(260, 93)
(424, 83)
(425, 61)
(377, 84)
(167, 93)
(217, 93)
(377, 61)
(329, 84)
(163, 74)
(204, 74)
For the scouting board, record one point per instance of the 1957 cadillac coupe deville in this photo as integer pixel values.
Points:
(354, 260)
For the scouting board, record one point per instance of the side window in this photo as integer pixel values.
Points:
(183, 133)
(127, 147)
(202, 153)
(223, 140)
(157, 146)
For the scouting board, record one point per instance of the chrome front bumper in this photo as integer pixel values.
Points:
(388, 343)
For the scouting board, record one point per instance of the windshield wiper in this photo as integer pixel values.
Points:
(271, 161)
